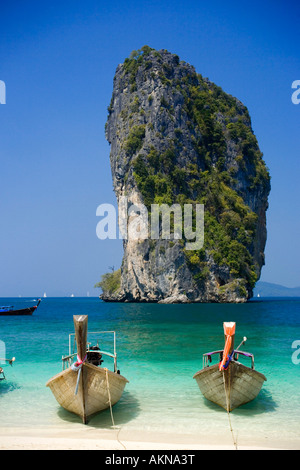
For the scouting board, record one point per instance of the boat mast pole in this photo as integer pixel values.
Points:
(229, 330)
(80, 324)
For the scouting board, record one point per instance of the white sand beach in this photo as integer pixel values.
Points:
(91, 439)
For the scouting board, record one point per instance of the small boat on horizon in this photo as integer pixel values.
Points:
(229, 383)
(10, 311)
(84, 387)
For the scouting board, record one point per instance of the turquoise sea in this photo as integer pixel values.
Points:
(159, 349)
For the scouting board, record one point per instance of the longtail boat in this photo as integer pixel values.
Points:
(229, 383)
(85, 387)
(10, 311)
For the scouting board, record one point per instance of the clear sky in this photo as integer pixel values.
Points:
(58, 60)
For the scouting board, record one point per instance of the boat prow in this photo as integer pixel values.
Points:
(84, 388)
(229, 383)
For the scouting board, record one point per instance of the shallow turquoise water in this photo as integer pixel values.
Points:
(159, 349)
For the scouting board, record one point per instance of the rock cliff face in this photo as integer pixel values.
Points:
(177, 138)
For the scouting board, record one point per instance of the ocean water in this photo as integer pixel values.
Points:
(159, 348)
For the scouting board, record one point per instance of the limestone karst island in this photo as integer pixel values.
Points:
(177, 138)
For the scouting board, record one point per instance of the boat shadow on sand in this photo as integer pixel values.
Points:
(263, 403)
(123, 412)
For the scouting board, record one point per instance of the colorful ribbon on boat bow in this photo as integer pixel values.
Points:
(77, 366)
(229, 331)
(79, 361)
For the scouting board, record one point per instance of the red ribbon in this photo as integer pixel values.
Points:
(80, 361)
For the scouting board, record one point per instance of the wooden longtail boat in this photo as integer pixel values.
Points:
(229, 383)
(85, 388)
(9, 310)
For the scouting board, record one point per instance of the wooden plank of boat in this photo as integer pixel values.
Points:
(97, 388)
(232, 387)
(9, 311)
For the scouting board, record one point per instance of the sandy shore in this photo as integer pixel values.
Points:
(93, 439)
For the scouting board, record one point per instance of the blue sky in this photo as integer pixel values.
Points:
(58, 60)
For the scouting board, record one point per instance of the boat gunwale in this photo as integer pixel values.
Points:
(216, 366)
(101, 370)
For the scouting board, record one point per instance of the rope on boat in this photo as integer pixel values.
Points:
(110, 406)
(77, 366)
(228, 414)
(109, 398)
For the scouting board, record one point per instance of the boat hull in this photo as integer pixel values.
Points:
(230, 388)
(93, 393)
(23, 311)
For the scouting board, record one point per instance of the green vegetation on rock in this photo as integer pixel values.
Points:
(110, 282)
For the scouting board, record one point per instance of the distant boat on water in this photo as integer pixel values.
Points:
(10, 310)
(45, 295)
